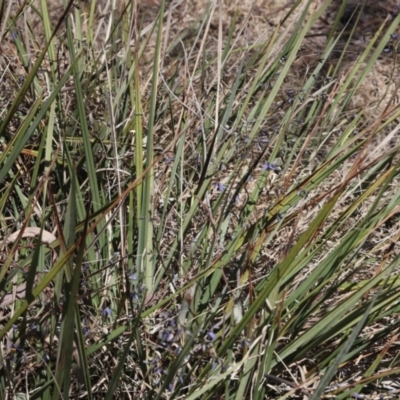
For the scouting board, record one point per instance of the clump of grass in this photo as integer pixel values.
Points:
(179, 222)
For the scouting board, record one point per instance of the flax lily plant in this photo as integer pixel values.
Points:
(183, 217)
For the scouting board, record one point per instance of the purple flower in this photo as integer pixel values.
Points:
(134, 296)
(211, 335)
(270, 167)
(133, 276)
(220, 186)
(106, 312)
(15, 347)
(167, 336)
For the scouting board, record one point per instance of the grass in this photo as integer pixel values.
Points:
(193, 211)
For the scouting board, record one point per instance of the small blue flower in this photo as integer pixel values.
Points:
(269, 167)
(211, 335)
(106, 312)
(134, 296)
(167, 336)
(219, 186)
(133, 276)
(15, 347)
